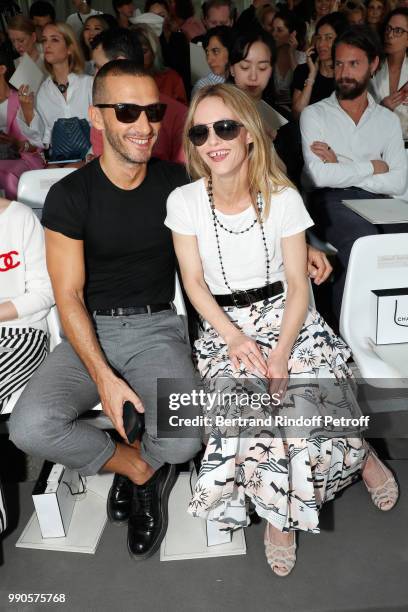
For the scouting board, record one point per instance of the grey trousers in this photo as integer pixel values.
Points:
(141, 348)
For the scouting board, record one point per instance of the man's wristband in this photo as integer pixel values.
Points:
(309, 81)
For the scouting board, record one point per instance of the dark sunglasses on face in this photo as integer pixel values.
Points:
(226, 129)
(128, 113)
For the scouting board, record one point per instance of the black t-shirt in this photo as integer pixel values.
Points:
(129, 254)
(323, 87)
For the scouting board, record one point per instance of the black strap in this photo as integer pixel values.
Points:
(246, 297)
(133, 310)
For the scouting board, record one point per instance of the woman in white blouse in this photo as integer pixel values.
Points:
(239, 236)
(390, 84)
(25, 297)
(67, 92)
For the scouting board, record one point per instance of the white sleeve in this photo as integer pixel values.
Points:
(38, 297)
(34, 132)
(394, 154)
(295, 218)
(179, 217)
(44, 114)
(342, 174)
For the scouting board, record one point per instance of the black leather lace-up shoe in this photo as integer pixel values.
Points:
(119, 500)
(149, 513)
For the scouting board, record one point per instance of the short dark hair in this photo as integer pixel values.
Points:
(121, 67)
(40, 8)
(337, 21)
(361, 36)
(120, 43)
(184, 9)
(206, 6)
(293, 24)
(225, 35)
(116, 4)
(244, 42)
(149, 4)
(7, 61)
(403, 11)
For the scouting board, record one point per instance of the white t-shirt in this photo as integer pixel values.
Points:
(243, 255)
(24, 278)
(77, 21)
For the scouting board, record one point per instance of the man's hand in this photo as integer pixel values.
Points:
(324, 152)
(380, 166)
(114, 392)
(318, 266)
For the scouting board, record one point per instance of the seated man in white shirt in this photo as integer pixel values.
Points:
(353, 149)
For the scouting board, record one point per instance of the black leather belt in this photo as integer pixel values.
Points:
(246, 297)
(133, 310)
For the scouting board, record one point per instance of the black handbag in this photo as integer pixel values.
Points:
(70, 139)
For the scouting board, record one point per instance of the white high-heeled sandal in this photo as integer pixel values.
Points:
(385, 495)
(282, 559)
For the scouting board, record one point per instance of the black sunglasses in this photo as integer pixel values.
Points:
(226, 129)
(128, 113)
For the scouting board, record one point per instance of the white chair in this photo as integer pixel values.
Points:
(376, 262)
(34, 185)
(404, 196)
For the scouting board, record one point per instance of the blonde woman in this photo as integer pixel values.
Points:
(67, 90)
(23, 37)
(239, 236)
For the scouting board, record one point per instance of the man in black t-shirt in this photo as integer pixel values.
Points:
(112, 266)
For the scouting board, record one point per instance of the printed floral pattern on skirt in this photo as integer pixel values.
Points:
(287, 478)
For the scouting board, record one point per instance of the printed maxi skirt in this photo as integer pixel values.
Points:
(287, 478)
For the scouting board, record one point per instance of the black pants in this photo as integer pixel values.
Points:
(341, 227)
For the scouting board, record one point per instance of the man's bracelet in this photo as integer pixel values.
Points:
(309, 81)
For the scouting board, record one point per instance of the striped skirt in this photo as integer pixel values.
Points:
(22, 350)
(287, 478)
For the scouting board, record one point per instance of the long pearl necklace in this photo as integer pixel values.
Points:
(217, 222)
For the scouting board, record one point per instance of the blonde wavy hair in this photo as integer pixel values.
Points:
(264, 172)
(76, 60)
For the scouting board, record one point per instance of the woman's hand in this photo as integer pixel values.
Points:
(26, 99)
(277, 373)
(313, 66)
(293, 41)
(394, 100)
(324, 152)
(242, 349)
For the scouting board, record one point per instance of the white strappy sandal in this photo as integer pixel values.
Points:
(282, 559)
(385, 495)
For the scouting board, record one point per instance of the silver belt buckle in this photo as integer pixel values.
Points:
(241, 292)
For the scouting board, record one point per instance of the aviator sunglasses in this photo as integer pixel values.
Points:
(128, 113)
(226, 129)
